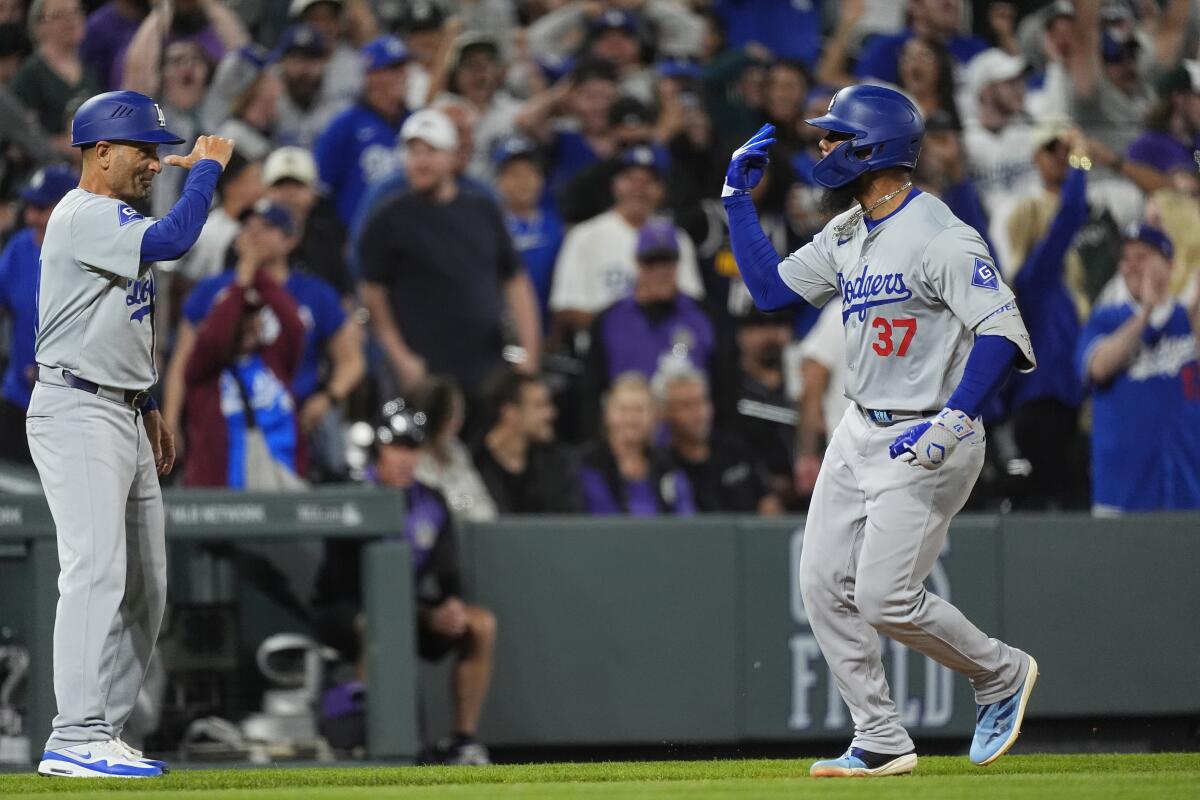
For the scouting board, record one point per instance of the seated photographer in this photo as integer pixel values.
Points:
(445, 624)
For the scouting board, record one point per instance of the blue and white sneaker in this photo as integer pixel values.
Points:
(997, 725)
(95, 760)
(859, 763)
(137, 755)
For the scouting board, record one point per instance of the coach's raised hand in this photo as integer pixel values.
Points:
(748, 162)
(217, 148)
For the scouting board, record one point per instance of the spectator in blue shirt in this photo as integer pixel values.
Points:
(1045, 404)
(936, 20)
(359, 146)
(533, 222)
(1139, 360)
(19, 268)
(790, 29)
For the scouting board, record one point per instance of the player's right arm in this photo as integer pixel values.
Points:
(806, 275)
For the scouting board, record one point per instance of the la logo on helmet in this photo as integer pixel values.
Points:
(162, 120)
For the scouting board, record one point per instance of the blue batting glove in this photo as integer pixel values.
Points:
(929, 444)
(748, 163)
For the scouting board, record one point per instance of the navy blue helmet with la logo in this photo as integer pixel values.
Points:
(120, 117)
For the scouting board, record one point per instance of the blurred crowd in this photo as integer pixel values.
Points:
(507, 213)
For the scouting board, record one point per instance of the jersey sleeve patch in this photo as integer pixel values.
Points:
(127, 214)
(985, 276)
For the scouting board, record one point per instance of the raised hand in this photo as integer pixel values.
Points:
(748, 163)
(216, 148)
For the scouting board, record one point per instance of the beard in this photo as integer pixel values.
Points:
(770, 358)
(835, 201)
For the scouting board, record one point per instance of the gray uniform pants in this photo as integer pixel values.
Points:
(873, 534)
(97, 471)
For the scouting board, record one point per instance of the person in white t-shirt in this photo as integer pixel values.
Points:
(998, 137)
(596, 265)
(238, 189)
(823, 393)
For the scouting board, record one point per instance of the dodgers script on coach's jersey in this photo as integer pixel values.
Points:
(912, 289)
(95, 296)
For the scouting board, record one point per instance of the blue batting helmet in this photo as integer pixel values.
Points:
(885, 129)
(120, 117)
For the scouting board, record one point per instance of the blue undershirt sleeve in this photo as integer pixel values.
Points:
(756, 257)
(988, 366)
(173, 235)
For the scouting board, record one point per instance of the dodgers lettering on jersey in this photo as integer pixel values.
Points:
(913, 287)
(95, 296)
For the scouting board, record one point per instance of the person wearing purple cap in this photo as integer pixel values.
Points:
(359, 146)
(1139, 362)
(18, 302)
(655, 324)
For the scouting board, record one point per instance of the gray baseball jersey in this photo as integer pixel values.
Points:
(914, 288)
(95, 296)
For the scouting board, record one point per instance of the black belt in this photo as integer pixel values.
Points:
(137, 398)
(882, 418)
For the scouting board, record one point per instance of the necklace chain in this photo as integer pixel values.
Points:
(849, 224)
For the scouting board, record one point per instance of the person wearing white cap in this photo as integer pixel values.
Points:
(998, 136)
(440, 271)
(290, 178)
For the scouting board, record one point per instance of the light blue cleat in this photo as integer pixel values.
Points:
(997, 725)
(95, 760)
(859, 763)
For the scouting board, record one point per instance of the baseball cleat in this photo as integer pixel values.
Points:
(997, 725)
(95, 760)
(859, 763)
(138, 755)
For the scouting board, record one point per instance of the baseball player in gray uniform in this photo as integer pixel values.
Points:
(96, 436)
(931, 334)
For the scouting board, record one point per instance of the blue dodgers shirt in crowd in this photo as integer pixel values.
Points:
(320, 310)
(1146, 420)
(788, 28)
(881, 54)
(19, 270)
(357, 149)
(274, 415)
(537, 239)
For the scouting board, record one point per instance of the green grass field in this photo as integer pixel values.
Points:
(1095, 777)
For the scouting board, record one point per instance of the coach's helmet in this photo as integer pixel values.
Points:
(885, 129)
(120, 117)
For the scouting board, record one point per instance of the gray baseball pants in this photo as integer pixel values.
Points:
(97, 470)
(873, 534)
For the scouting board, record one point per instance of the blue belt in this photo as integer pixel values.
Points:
(136, 398)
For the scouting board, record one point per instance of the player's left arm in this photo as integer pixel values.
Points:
(959, 271)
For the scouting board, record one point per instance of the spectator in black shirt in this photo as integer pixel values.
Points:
(524, 469)
(723, 473)
(766, 419)
(440, 271)
(445, 624)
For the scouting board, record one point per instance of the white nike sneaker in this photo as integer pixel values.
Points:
(108, 759)
(138, 755)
